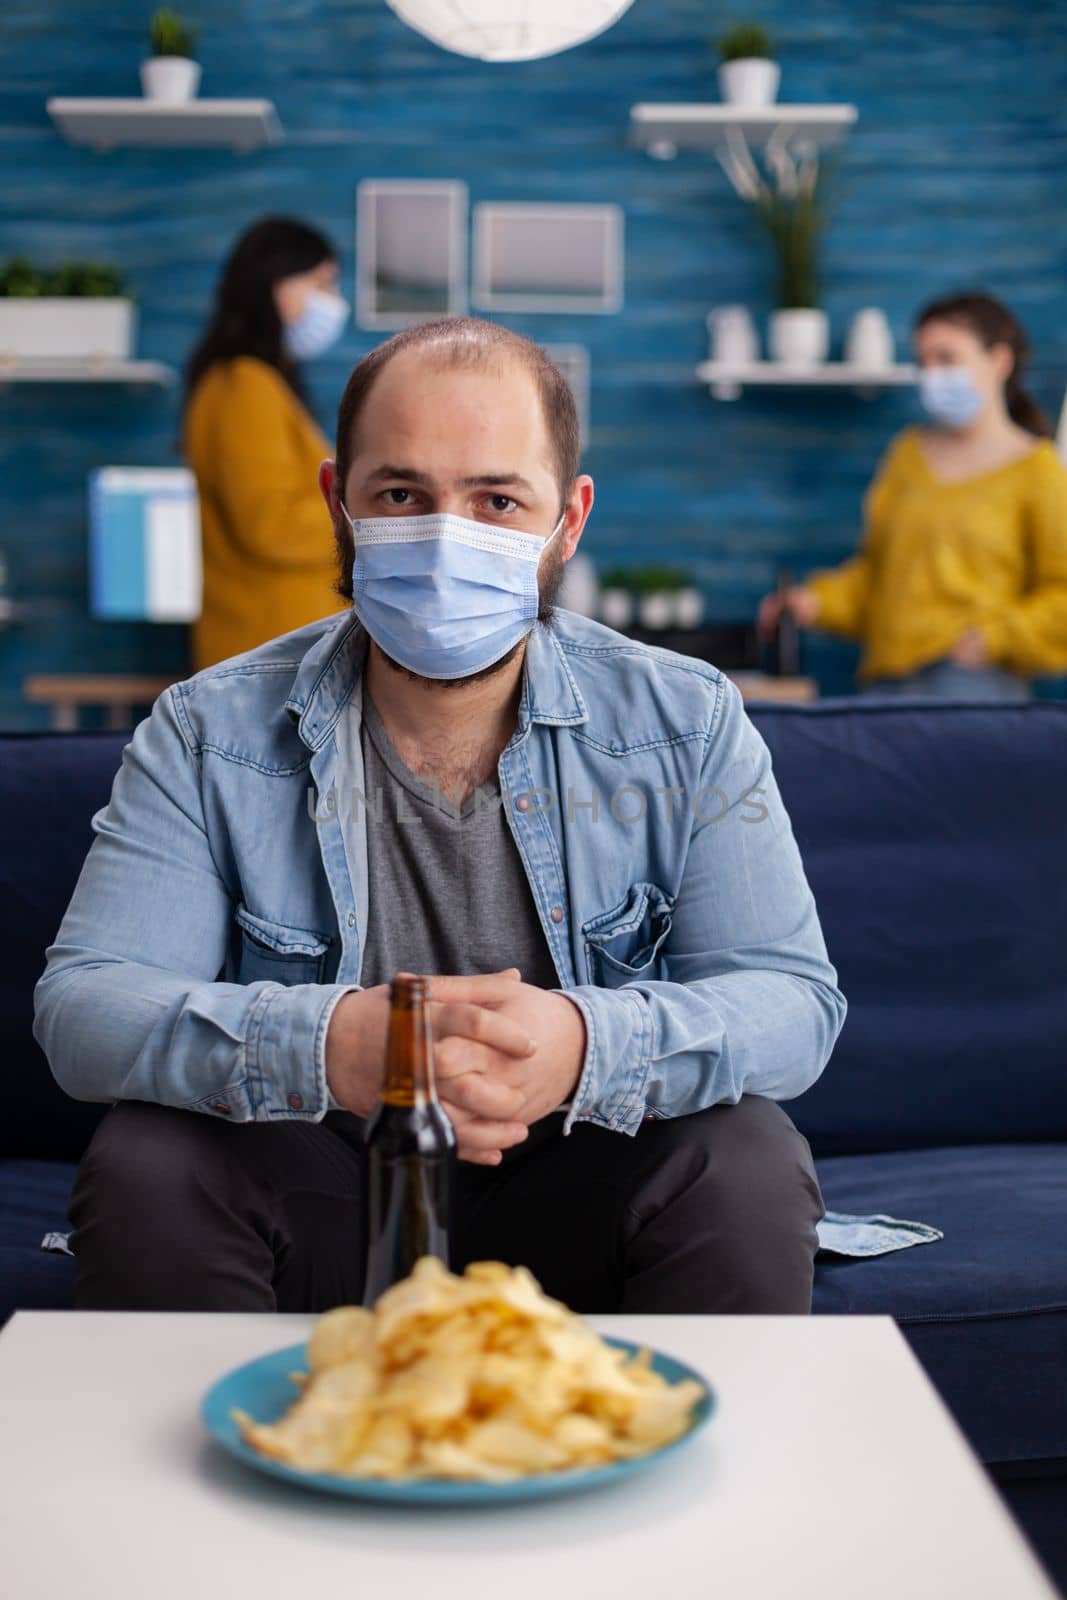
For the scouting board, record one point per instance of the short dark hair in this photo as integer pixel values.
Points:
(460, 342)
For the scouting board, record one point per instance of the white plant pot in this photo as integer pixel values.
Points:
(171, 79)
(799, 338)
(616, 607)
(749, 82)
(688, 608)
(579, 589)
(67, 328)
(656, 610)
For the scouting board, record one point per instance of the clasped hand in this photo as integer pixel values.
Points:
(506, 1053)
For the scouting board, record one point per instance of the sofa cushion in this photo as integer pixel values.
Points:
(985, 1308)
(33, 1202)
(932, 836)
(50, 786)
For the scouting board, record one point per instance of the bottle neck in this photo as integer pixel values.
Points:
(409, 1074)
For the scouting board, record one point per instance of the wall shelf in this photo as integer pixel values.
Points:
(107, 124)
(663, 130)
(726, 379)
(155, 374)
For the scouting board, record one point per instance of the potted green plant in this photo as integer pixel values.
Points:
(748, 74)
(78, 310)
(791, 205)
(170, 74)
(657, 588)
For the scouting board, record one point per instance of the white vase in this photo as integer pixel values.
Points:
(171, 79)
(869, 343)
(656, 610)
(688, 607)
(732, 337)
(751, 81)
(799, 337)
(67, 327)
(616, 607)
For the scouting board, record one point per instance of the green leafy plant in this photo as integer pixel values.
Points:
(791, 204)
(655, 579)
(20, 278)
(170, 35)
(91, 279)
(746, 41)
(644, 580)
(795, 223)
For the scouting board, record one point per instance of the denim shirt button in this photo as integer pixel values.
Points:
(330, 801)
(296, 1101)
(222, 1108)
(523, 803)
(351, 919)
(556, 913)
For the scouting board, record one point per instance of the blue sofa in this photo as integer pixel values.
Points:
(934, 840)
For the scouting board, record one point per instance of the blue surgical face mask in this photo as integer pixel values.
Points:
(318, 326)
(443, 595)
(950, 395)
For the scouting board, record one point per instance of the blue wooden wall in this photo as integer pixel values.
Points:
(956, 173)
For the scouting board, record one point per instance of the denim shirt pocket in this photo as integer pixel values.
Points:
(276, 952)
(627, 942)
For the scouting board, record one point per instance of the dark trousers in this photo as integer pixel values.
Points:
(178, 1211)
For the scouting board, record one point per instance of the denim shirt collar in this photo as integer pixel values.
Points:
(328, 673)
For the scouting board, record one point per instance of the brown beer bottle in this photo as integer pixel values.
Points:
(410, 1152)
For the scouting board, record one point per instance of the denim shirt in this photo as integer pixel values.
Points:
(222, 910)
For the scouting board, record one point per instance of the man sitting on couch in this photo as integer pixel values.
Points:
(631, 970)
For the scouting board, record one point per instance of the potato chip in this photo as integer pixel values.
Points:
(479, 1377)
(339, 1335)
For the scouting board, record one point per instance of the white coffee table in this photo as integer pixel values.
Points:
(832, 1469)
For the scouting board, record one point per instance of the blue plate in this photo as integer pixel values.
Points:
(262, 1389)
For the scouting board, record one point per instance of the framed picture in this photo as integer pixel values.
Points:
(411, 251)
(565, 258)
(573, 361)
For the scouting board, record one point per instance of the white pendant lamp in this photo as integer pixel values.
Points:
(509, 30)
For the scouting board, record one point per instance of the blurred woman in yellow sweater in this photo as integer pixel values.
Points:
(253, 445)
(959, 589)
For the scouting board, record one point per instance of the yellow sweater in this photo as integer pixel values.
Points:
(937, 558)
(269, 561)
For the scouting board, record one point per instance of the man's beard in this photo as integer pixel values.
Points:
(549, 579)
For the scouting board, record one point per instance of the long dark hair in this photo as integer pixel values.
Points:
(993, 323)
(245, 319)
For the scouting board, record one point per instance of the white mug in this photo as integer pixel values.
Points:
(870, 342)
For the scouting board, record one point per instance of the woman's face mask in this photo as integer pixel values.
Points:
(319, 325)
(443, 595)
(950, 395)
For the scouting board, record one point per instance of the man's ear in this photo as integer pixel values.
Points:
(328, 484)
(580, 500)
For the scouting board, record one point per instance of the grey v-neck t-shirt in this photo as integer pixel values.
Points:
(447, 890)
